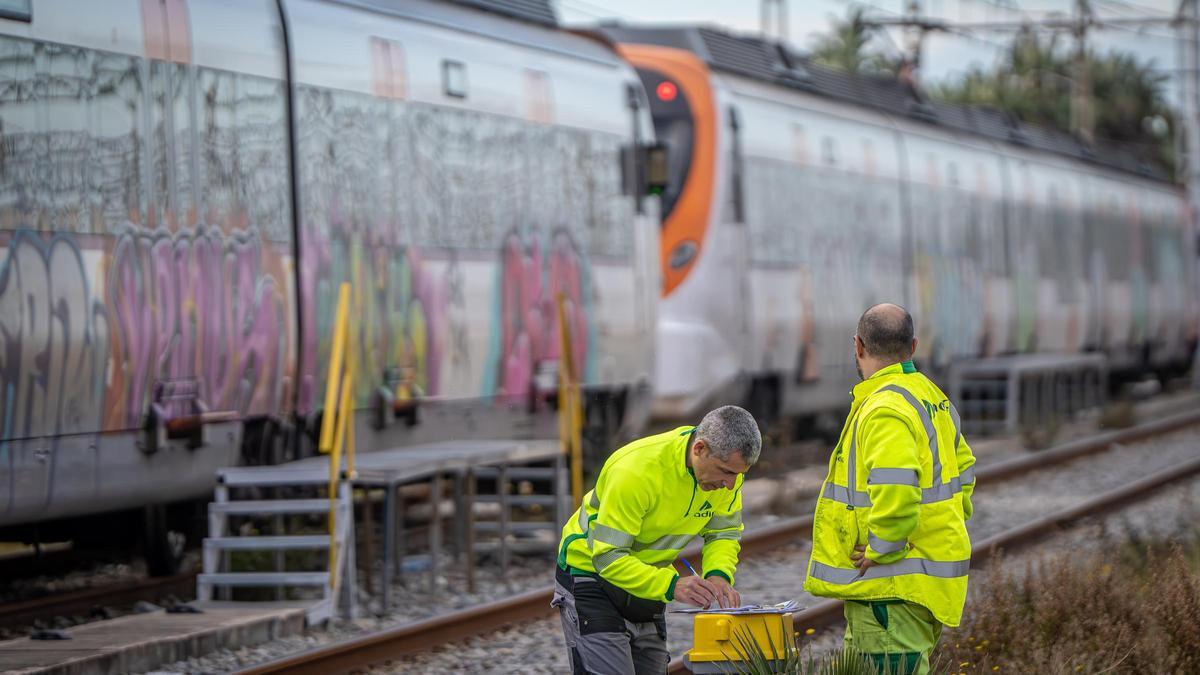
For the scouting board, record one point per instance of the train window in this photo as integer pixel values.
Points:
(538, 104)
(388, 72)
(868, 150)
(673, 125)
(739, 210)
(16, 10)
(829, 151)
(799, 145)
(454, 78)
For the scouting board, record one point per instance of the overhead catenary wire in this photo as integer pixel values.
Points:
(594, 10)
(1134, 7)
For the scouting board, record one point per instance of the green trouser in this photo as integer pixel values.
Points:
(897, 636)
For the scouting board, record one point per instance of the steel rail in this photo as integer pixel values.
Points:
(418, 636)
(24, 613)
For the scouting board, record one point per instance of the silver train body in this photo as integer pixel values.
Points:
(802, 195)
(185, 183)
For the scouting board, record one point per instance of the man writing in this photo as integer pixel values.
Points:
(652, 497)
(889, 533)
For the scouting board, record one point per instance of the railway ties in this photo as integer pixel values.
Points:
(409, 639)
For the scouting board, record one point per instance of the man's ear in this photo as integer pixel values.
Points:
(914, 351)
(700, 448)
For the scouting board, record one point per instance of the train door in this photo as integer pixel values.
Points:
(738, 238)
(646, 214)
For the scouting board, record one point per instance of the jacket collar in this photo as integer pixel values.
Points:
(683, 441)
(882, 377)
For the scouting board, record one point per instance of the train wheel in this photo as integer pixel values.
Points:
(161, 546)
(764, 404)
(601, 430)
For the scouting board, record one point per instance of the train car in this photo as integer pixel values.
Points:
(184, 184)
(800, 195)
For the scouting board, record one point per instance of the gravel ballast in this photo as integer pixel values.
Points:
(537, 646)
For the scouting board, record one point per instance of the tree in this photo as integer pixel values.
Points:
(1032, 80)
(847, 48)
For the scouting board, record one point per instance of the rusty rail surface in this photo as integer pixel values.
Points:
(24, 613)
(420, 636)
(344, 656)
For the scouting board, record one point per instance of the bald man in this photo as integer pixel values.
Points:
(889, 534)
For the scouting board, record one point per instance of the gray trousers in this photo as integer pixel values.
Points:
(599, 640)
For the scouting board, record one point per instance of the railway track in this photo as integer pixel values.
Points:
(423, 635)
(26, 612)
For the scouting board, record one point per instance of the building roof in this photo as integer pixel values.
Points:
(758, 59)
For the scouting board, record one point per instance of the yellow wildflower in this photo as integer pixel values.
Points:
(809, 631)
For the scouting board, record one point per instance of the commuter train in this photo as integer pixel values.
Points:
(184, 184)
(800, 195)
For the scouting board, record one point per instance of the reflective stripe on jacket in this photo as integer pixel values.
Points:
(900, 484)
(645, 508)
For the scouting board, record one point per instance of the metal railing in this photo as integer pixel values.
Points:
(570, 403)
(337, 421)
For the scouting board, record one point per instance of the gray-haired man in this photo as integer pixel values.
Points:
(652, 497)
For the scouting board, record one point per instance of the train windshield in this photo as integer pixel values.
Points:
(672, 125)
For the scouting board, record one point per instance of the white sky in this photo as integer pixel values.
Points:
(945, 56)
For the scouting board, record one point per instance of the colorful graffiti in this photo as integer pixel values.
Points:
(396, 308)
(53, 340)
(525, 333)
(202, 305)
(952, 302)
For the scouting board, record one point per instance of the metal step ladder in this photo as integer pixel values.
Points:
(337, 582)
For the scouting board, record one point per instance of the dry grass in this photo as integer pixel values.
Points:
(1132, 607)
(1136, 610)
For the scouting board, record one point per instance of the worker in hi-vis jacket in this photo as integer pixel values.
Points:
(890, 532)
(652, 497)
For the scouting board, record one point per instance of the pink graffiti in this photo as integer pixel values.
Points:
(197, 305)
(396, 305)
(529, 332)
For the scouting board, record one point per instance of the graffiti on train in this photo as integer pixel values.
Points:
(197, 304)
(396, 303)
(525, 336)
(54, 340)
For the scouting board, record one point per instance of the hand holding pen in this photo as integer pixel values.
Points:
(697, 591)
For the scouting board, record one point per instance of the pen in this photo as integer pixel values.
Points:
(688, 565)
(691, 569)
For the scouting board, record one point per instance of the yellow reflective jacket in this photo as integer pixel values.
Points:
(900, 483)
(645, 508)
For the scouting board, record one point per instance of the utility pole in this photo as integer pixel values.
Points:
(1188, 29)
(783, 20)
(1187, 26)
(1082, 119)
(780, 19)
(914, 37)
